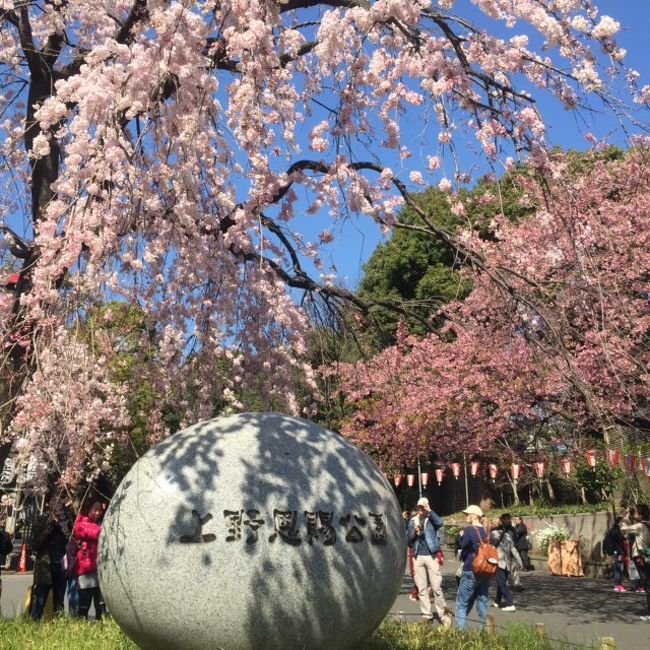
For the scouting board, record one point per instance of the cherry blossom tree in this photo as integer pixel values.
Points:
(163, 153)
(554, 331)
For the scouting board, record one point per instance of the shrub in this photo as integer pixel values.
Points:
(552, 533)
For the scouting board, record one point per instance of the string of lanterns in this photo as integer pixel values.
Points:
(567, 465)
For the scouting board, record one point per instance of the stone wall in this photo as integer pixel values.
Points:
(589, 528)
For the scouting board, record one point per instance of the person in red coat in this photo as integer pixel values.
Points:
(86, 532)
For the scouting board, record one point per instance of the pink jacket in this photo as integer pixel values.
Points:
(86, 532)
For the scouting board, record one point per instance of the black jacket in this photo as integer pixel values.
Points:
(521, 537)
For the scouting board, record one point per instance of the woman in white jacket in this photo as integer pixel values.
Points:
(640, 528)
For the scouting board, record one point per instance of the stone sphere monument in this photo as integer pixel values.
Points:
(252, 531)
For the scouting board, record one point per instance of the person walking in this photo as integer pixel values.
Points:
(640, 528)
(86, 532)
(422, 536)
(472, 588)
(502, 537)
(521, 543)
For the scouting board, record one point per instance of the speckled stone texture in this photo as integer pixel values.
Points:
(210, 541)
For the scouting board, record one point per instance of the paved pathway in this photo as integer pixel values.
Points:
(577, 610)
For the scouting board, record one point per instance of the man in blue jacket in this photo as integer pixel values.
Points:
(422, 536)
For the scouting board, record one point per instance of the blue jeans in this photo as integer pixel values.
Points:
(73, 597)
(618, 569)
(471, 589)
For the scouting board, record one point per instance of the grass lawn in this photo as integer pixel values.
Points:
(71, 634)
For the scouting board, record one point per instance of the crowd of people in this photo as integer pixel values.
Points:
(65, 550)
(498, 548)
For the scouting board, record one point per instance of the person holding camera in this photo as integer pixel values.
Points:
(422, 537)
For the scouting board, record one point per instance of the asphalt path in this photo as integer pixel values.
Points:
(574, 610)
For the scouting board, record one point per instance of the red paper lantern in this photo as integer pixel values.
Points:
(613, 456)
(630, 464)
(494, 470)
(425, 479)
(592, 457)
(567, 466)
(455, 470)
(645, 463)
(440, 474)
(410, 480)
(474, 467)
(397, 480)
(539, 469)
(515, 471)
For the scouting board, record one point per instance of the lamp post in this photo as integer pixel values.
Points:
(419, 480)
(466, 486)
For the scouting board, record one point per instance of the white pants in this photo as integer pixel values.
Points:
(427, 573)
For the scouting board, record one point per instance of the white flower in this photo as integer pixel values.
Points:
(606, 28)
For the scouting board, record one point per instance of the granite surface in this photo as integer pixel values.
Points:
(252, 531)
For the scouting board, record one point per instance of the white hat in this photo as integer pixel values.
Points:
(473, 510)
(423, 502)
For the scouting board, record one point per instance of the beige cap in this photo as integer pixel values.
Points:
(423, 502)
(473, 510)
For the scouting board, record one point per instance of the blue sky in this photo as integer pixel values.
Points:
(358, 238)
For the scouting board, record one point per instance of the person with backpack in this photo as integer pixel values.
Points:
(502, 538)
(422, 537)
(480, 561)
(614, 547)
(640, 551)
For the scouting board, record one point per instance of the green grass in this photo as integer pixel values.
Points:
(73, 634)
(413, 636)
(63, 634)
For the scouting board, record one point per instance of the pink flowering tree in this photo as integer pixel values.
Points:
(554, 332)
(165, 154)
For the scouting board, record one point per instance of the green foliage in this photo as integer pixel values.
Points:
(540, 508)
(597, 482)
(66, 633)
(414, 269)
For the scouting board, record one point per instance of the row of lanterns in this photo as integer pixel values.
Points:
(567, 465)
